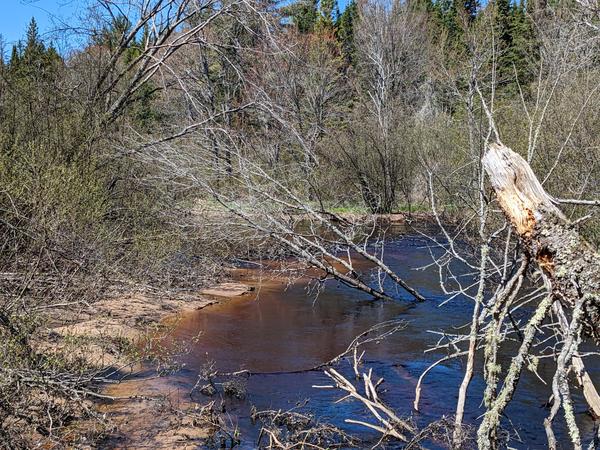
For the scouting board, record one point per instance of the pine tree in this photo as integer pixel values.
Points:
(536, 8)
(34, 47)
(471, 8)
(345, 31)
(523, 46)
(304, 14)
(445, 15)
(449, 16)
(517, 43)
(325, 21)
(15, 57)
(2, 52)
(33, 34)
(52, 56)
(503, 22)
(32, 61)
(111, 36)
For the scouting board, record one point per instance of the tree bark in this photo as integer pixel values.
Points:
(571, 264)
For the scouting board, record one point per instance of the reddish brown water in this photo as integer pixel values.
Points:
(272, 331)
(281, 329)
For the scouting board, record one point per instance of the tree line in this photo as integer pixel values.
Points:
(181, 135)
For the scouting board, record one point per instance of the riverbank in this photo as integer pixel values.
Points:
(285, 328)
(143, 409)
(117, 335)
(257, 352)
(150, 411)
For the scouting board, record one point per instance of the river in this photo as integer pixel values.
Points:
(282, 329)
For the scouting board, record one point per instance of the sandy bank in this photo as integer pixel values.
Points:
(143, 414)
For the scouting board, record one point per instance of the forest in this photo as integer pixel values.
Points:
(173, 142)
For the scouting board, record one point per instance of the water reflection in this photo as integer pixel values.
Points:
(281, 329)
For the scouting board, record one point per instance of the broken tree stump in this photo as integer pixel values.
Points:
(571, 264)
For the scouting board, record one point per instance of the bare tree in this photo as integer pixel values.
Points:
(391, 40)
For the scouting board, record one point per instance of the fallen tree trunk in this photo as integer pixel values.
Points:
(571, 264)
(583, 377)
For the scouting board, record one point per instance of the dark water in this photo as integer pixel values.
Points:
(285, 329)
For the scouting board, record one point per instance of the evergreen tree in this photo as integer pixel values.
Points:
(34, 47)
(445, 15)
(345, 31)
(2, 49)
(111, 36)
(326, 18)
(52, 57)
(517, 44)
(471, 8)
(536, 8)
(33, 59)
(425, 6)
(33, 34)
(304, 14)
(503, 22)
(15, 57)
(450, 15)
(523, 49)
(32, 63)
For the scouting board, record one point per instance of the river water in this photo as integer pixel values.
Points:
(282, 329)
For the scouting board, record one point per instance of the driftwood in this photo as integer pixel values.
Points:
(569, 263)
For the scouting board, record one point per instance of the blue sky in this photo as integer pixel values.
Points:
(49, 14)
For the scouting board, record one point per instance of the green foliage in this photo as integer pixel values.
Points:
(517, 44)
(523, 52)
(503, 21)
(143, 111)
(445, 15)
(111, 36)
(328, 15)
(451, 16)
(61, 182)
(333, 116)
(345, 31)
(471, 8)
(33, 62)
(304, 14)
